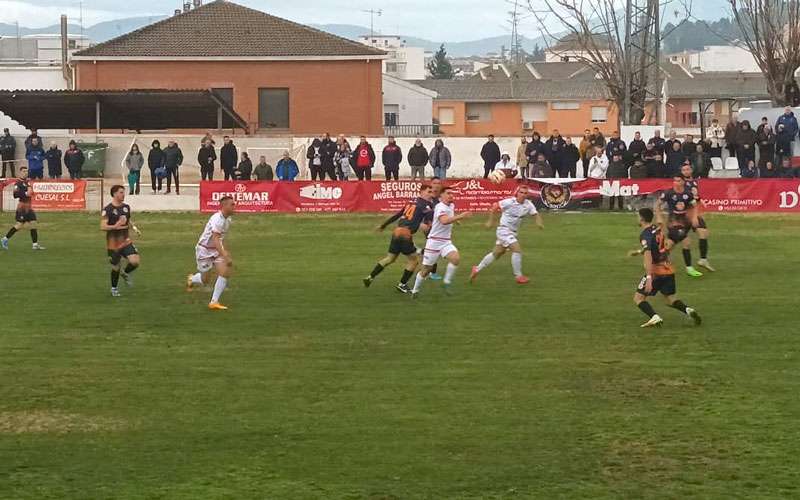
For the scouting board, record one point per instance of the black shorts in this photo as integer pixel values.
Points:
(678, 232)
(25, 215)
(664, 284)
(402, 245)
(115, 256)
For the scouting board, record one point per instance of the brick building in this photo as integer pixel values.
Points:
(280, 76)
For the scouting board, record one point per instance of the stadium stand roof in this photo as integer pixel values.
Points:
(227, 30)
(119, 109)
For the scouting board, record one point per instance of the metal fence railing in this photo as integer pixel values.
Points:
(411, 130)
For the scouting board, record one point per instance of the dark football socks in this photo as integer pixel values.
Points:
(406, 276)
(114, 279)
(646, 308)
(11, 232)
(679, 305)
(703, 249)
(375, 272)
(35, 235)
(687, 257)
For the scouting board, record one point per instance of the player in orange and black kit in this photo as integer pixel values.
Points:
(25, 217)
(116, 222)
(659, 274)
(693, 186)
(410, 218)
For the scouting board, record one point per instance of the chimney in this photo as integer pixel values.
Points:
(64, 52)
(197, 3)
(187, 7)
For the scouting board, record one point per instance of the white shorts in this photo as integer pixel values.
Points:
(435, 249)
(206, 258)
(505, 237)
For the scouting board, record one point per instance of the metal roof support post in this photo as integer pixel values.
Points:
(219, 118)
(97, 115)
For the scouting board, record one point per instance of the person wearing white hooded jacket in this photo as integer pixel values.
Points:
(598, 165)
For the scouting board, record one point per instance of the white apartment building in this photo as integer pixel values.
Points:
(405, 63)
(717, 58)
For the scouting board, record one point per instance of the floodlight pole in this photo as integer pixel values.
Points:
(97, 115)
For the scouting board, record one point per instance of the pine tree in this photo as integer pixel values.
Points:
(440, 67)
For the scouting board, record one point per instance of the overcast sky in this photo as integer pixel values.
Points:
(451, 20)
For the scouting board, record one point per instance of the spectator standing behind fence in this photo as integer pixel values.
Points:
(571, 158)
(134, 161)
(228, 157)
(789, 122)
(716, 139)
(688, 146)
(244, 170)
(329, 149)
(53, 156)
(700, 161)
(74, 160)
(314, 157)
(522, 158)
(155, 162)
(33, 135)
(490, 153)
(533, 149)
(35, 157)
(392, 157)
(598, 165)
(636, 147)
(440, 159)
(363, 159)
(208, 137)
(786, 170)
(507, 166)
(343, 160)
(658, 143)
(417, 159)
(745, 145)
(173, 159)
(765, 135)
(675, 159)
(541, 168)
(598, 139)
(8, 150)
(286, 169)
(586, 150)
(615, 146)
(732, 136)
(783, 144)
(554, 151)
(768, 171)
(750, 171)
(263, 171)
(616, 170)
(206, 157)
(653, 161)
(640, 170)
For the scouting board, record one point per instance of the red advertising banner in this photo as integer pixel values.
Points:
(250, 196)
(58, 195)
(478, 195)
(319, 197)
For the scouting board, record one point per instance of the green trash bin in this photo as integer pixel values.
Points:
(95, 154)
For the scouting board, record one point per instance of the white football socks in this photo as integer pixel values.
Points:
(219, 287)
(448, 275)
(418, 282)
(197, 279)
(516, 263)
(486, 262)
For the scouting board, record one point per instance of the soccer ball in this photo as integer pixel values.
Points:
(497, 176)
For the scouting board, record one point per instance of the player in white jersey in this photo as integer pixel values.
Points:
(211, 253)
(439, 243)
(514, 210)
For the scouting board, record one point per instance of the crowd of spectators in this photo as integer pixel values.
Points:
(37, 157)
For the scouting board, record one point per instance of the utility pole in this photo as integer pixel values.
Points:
(372, 13)
(641, 75)
(515, 54)
(626, 75)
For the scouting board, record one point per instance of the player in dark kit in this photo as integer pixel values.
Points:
(693, 186)
(410, 218)
(25, 217)
(116, 222)
(681, 206)
(659, 274)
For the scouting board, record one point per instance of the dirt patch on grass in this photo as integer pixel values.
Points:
(644, 388)
(56, 422)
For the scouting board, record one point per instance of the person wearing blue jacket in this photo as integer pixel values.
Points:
(35, 156)
(789, 122)
(286, 169)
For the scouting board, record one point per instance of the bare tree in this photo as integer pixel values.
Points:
(621, 45)
(771, 31)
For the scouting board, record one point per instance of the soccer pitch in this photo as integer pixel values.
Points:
(312, 386)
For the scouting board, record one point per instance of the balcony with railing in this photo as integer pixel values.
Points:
(411, 130)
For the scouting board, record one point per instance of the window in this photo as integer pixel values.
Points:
(273, 108)
(690, 118)
(599, 114)
(391, 115)
(391, 67)
(447, 116)
(73, 44)
(226, 94)
(562, 105)
(534, 112)
(479, 112)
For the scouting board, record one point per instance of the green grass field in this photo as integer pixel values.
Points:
(313, 387)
